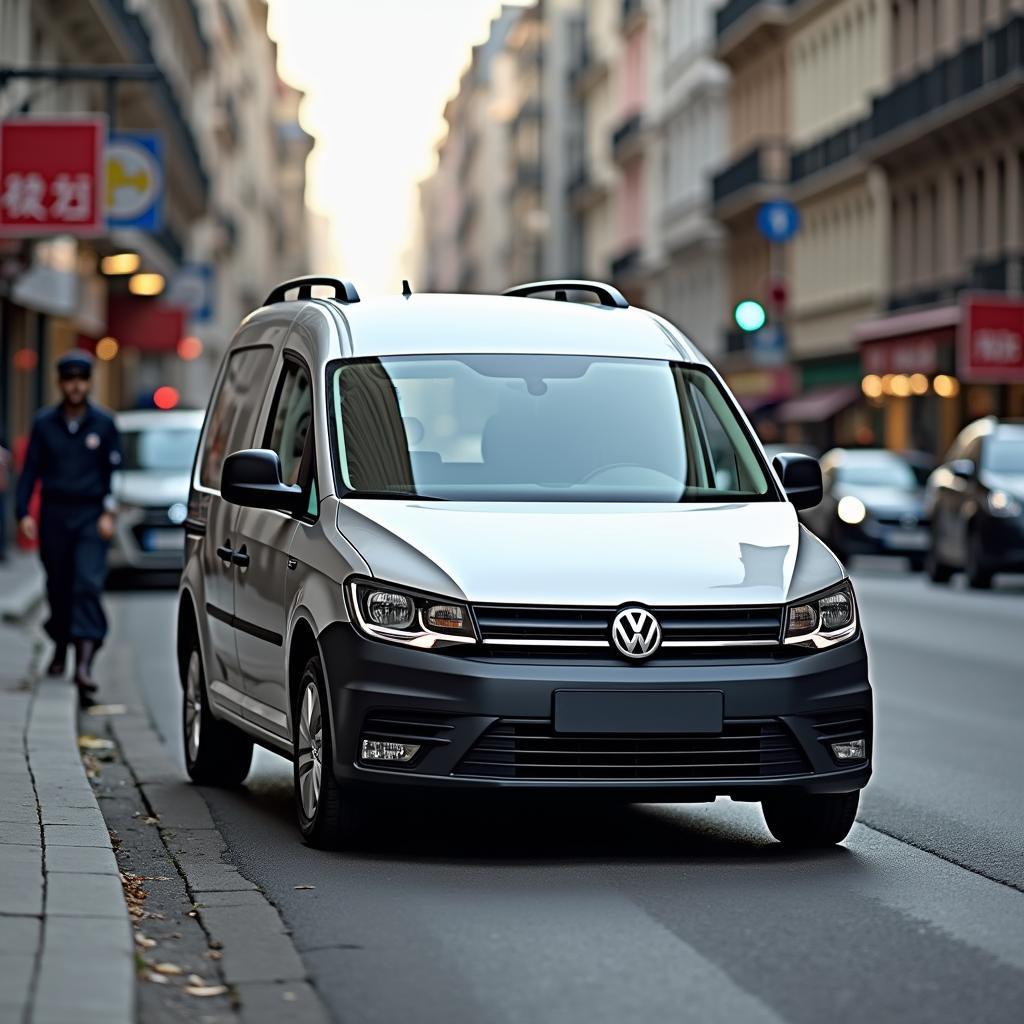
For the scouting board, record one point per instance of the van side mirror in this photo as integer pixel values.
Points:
(252, 478)
(962, 469)
(801, 478)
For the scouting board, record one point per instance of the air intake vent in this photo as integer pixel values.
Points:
(403, 726)
(843, 724)
(530, 749)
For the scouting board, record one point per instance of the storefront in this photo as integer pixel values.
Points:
(927, 374)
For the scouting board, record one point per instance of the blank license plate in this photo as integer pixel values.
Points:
(631, 711)
(163, 540)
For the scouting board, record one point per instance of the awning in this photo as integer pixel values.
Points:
(816, 406)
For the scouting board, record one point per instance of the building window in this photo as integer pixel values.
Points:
(979, 220)
(1001, 205)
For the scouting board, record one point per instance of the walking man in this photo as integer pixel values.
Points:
(73, 449)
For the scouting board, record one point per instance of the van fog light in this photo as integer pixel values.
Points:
(383, 750)
(851, 750)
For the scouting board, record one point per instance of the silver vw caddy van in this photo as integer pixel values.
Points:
(524, 542)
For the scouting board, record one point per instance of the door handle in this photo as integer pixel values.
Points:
(224, 553)
(241, 557)
(292, 563)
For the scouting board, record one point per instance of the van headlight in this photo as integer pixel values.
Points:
(823, 620)
(1003, 505)
(400, 616)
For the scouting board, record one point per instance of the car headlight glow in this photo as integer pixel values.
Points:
(851, 510)
(400, 616)
(823, 620)
(1004, 505)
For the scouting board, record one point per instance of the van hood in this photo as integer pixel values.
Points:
(150, 488)
(592, 554)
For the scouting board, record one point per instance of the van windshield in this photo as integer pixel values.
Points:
(501, 427)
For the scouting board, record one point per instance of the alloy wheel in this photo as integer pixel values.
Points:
(310, 750)
(193, 706)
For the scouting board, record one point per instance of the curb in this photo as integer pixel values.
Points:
(85, 970)
(259, 960)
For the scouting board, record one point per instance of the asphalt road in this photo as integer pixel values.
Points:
(681, 912)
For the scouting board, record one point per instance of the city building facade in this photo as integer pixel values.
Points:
(157, 304)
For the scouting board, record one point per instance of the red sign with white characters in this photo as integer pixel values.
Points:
(52, 176)
(912, 353)
(991, 342)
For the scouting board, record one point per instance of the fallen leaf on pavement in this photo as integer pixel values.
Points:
(206, 990)
(157, 978)
(150, 820)
(214, 954)
(305, 887)
(107, 709)
(87, 742)
(144, 941)
(167, 968)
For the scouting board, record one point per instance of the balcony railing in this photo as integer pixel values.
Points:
(993, 58)
(731, 12)
(766, 164)
(831, 150)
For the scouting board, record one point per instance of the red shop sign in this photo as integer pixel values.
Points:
(991, 342)
(52, 176)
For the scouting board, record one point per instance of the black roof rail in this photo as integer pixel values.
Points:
(607, 294)
(344, 291)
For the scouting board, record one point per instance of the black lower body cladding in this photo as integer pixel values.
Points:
(487, 720)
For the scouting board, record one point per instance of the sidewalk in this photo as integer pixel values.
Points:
(22, 585)
(66, 948)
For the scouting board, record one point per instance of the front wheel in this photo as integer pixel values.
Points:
(808, 820)
(216, 753)
(938, 571)
(328, 816)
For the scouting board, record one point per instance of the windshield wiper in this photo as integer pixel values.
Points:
(401, 495)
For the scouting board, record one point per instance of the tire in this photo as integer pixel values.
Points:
(917, 563)
(978, 577)
(328, 816)
(216, 753)
(938, 572)
(811, 821)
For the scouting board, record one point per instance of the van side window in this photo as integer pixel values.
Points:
(290, 419)
(231, 415)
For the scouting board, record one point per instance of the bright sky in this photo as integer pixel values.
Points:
(376, 74)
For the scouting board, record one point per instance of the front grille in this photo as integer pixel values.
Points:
(406, 726)
(531, 749)
(545, 625)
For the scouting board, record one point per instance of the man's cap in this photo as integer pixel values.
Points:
(74, 364)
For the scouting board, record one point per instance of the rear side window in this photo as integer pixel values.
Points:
(234, 409)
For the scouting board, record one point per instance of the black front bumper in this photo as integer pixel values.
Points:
(789, 698)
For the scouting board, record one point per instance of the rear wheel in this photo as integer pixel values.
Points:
(978, 577)
(216, 753)
(810, 820)
(328, 816)
(938, 571)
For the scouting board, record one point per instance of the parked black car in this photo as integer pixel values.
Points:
(873, 505)
(976, 502)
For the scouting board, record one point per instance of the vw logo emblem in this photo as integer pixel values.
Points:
(636, 632)
(907, 521)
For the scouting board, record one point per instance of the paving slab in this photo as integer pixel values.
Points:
(181, 805)
(92, 860)
(274, 1002)
(19, 833)
(76, 835)
(21, 884)
(255, 945)
(84, 895)
(86, 973)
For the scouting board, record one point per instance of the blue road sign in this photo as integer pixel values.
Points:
(135, 182)
(194, 288)
(778, 220)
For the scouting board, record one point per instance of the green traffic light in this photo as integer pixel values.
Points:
(750, 315)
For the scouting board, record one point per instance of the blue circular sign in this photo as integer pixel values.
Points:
(778, 220)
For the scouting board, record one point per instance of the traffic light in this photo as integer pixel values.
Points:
(749, 315)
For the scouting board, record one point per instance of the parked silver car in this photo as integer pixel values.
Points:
(152, 487)
(489, 543)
